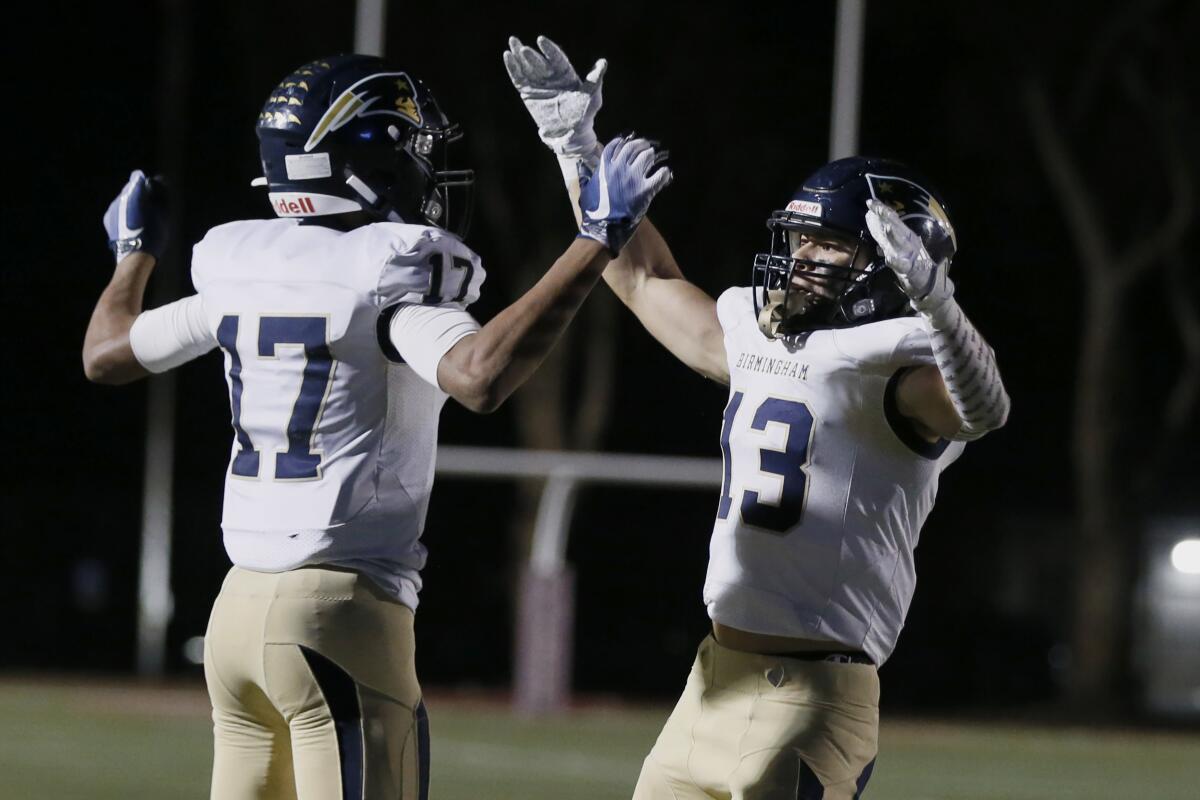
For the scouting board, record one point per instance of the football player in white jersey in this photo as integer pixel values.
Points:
(854, 380)
(344, 328)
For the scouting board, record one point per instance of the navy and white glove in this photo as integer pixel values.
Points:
(562, 105)
(136, 220)
(926, 283)
(614, 198)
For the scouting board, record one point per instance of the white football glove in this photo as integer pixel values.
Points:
(927, 284)
(563, 106)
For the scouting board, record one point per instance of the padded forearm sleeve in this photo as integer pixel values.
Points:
(968, 367)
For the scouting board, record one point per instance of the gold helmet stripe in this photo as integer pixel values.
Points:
(337, 115)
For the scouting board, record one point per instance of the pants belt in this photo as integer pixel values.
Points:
(836, 657)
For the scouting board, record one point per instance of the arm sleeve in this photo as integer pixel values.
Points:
(168, 336)
(968, 366)
(423, 334)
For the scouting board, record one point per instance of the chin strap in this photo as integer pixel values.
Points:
(770, 316)
(781, 306)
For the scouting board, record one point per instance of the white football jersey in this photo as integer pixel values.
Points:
(825, 485)
(333, 447)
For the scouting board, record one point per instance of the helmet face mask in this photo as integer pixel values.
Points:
(449, 193)
(348, 134)
(847, 283)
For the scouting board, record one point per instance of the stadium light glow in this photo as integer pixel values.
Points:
(1185, 556)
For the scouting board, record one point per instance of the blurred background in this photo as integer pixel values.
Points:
(1058, 575)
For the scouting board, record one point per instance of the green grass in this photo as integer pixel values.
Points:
(100, 741)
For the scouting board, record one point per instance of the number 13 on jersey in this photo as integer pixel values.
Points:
(786, 465)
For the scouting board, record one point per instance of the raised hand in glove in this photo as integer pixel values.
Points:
(926, 282)
(136, 219)
(562, 105)
(615, 196)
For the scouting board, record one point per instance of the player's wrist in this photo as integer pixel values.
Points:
(569, 163)
(124, 248)
(937, 302)
(577, 143)
(605, 233)
(136, 260)
(587, 152)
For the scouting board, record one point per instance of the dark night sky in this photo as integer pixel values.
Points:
(740, 95)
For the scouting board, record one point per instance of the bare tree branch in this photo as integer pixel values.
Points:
(599, 365)
(1180, 406)
(1174, 227)
(1068, 183)
(1186, 313)
(1111, 39)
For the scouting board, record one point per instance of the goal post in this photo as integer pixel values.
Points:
(544, 629)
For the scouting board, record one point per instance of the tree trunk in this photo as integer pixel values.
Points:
(1102, 586)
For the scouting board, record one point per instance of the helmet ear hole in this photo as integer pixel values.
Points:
(408, 187)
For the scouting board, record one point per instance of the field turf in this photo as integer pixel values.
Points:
(63, 740)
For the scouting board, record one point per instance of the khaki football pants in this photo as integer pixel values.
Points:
(313, 687)
(754, 727)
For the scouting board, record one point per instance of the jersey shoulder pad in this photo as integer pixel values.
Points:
(208, 253)
(735, 307)
(886, 346)
(227, 248)
(425, 265)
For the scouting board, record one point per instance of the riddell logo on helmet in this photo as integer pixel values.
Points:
(295, 206)
(806, 207)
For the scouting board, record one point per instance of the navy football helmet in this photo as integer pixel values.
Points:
(793, 295)
(351, 133)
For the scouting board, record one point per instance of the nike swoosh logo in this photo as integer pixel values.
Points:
(601, 210)
(124, 231)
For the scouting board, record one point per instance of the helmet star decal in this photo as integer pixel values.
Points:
(927, 205)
